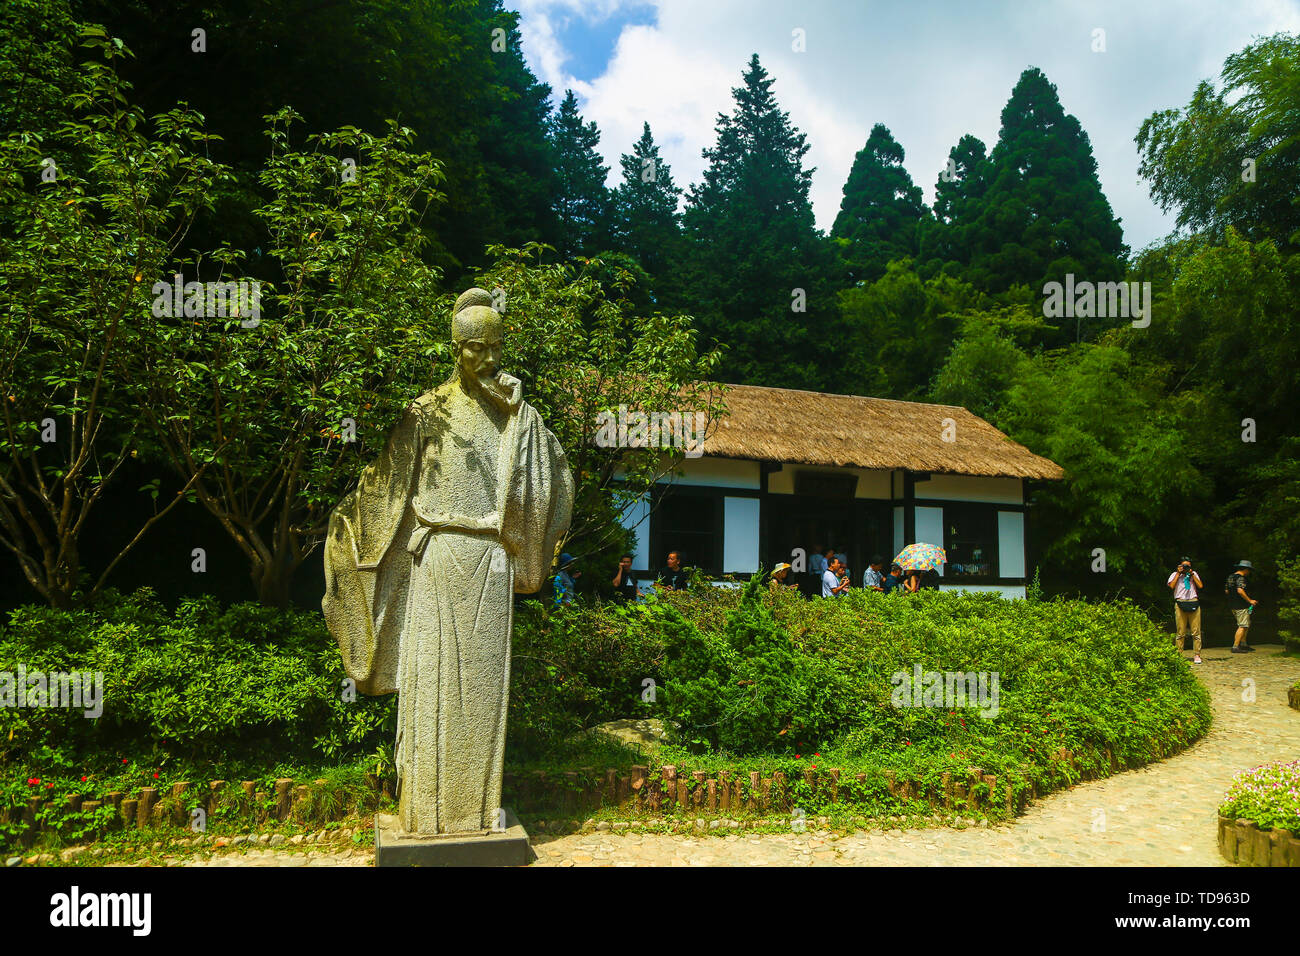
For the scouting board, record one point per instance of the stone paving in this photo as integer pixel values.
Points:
(1163, 815)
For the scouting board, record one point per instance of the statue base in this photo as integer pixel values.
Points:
(508, 847)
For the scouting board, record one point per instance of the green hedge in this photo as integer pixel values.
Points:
(240, 692)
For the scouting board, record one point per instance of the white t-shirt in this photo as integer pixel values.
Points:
(829, 583)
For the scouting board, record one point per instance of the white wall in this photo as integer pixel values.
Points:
(740, 535)
(1011, 544)
(929, 528)
(1008, 591)
(1002, 491)
(716, 473)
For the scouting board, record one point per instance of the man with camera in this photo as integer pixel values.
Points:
(1186, 585)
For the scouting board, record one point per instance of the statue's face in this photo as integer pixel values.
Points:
(481, 358)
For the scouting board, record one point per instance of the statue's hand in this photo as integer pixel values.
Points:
(507, 382)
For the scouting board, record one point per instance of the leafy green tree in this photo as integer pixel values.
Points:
(37, 62)
(758, 275)
(899, 328)
(647, 226)
(270, 418)
(881, 209)
(582, 203)
(94, 210)
(1043, 214)
(1129, 488)
(980, 371)
(1231, 157)
(453, 71)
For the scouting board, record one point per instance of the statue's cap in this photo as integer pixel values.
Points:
(473, 316)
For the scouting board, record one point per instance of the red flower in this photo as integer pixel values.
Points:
(816, 755)
(797, 757)
(83, 779)
(123, 760)
(31, 781)
(155, 776)
(49, 786)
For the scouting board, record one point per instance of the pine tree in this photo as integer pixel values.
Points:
(646, 221)
(758, 274)
(943, 242)
(582, 203)
(881, 209)
(1044, 214)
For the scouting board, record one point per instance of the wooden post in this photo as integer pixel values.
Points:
(669, 772)
(711, 801)
(148, 797)
(756, 790)
(283, 797)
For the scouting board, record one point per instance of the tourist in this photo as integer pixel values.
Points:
(625, 583)
(843, 559)
(911, 581)
(873, 579)
(672, 577)
(818, 563)
(1240, 603)
(894, 580)
(566, 581)
(781, 578)
(1186, 585)
(833, 585)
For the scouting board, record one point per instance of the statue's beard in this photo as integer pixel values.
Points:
(492, 386)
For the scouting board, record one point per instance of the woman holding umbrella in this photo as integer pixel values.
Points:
(916, 559)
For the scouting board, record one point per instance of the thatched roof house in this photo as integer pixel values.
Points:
(812, 428)
(787, 471)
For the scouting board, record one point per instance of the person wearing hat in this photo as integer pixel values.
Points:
(566, 581)
(1186, 585)
(1241, 604)
(781, 577)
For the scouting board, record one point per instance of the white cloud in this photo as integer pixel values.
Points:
(929, 72)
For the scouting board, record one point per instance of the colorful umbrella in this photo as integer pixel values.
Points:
(921, 557)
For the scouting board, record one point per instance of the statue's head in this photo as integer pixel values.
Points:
(477, 336)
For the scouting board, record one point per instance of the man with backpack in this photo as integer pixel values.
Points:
(1186, 585)
(1241, 604)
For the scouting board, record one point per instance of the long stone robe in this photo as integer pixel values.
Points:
(462, 509)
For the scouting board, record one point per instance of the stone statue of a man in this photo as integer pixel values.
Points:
(462, 509)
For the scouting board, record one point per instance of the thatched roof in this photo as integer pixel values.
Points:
(813, 428)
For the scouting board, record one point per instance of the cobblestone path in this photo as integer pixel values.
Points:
(1164, 815)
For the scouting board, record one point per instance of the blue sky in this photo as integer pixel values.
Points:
(930, 71)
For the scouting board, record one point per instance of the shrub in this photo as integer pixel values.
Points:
(1269, 795)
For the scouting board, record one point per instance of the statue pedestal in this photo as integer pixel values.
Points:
(508, 847)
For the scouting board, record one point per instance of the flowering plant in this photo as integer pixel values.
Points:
(1269, 795)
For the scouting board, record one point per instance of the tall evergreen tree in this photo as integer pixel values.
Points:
(943, 242)
(647, 225)
(1044, 214)
(582, 203)
(880, 210)
(759, 275)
